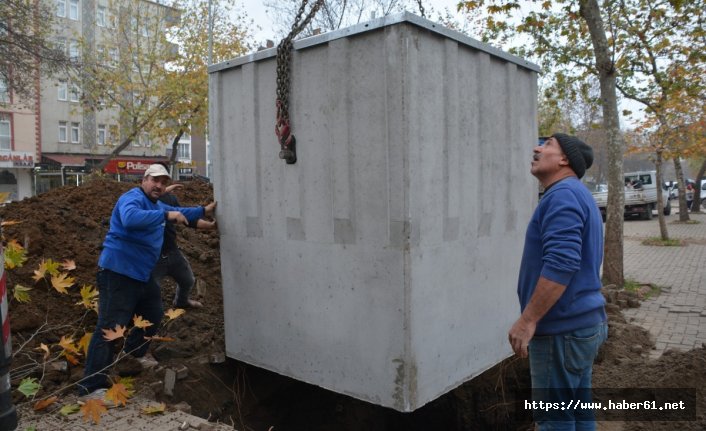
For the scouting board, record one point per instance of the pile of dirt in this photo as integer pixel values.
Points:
(71, 223)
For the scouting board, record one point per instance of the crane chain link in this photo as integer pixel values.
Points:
(284, 61)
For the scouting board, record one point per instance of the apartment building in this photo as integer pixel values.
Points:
(76, 136)
(19, 145)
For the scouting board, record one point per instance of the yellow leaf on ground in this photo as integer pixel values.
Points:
(114, 334)
(68, 265)
(38, 275)
(89, 297)
(43, 347)
(9, 223)
(61, 282)
(174, 313)
(15, 255)
(43, 404)
(158, 338)
(154, 409)
(92, 410)
(84, 341)
(139, 322)
(128, 382)
(118, 394)
(21, 293)
(67, 343)
(69, 409)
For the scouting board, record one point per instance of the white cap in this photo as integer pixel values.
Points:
(157, 170)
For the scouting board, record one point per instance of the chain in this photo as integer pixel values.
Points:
(421, 9)
(284, 62)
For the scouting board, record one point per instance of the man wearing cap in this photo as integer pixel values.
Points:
(563, 319)
(126, 287)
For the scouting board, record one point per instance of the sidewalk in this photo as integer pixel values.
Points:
(677, 317)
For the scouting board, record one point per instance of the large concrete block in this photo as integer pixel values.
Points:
(383, 264)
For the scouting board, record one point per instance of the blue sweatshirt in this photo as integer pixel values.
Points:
(564, 243)
(133, 242)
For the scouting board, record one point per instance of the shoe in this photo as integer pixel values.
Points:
(147, 361)
(98, 394)
(191, 303)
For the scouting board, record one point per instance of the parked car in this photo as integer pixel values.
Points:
(640, 196)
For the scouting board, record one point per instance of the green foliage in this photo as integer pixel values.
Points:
(663, 242)
(69, 409)
(29, 387)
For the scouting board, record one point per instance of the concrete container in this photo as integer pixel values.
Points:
(383, 264)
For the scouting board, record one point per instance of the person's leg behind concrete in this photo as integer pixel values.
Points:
(116, 306)
(180, 270)
(561, 368)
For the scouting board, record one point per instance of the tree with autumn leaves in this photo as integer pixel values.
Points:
(155, 85)
(644, 50)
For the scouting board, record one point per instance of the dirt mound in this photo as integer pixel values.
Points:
(71, 223)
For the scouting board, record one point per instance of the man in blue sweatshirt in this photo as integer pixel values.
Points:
(125, 284)
(563, 320)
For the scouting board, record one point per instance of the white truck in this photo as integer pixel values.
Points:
(640, 199)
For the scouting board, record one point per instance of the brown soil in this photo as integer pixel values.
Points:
(71, 222)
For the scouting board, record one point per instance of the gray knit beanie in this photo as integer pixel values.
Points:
(580, 155)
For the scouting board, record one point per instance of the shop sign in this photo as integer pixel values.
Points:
(185, 171)
(123, 166)
(16, 159)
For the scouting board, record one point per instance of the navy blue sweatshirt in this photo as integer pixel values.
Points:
(564, 243)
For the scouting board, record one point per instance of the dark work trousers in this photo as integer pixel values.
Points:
(120, 298)
(175, 265)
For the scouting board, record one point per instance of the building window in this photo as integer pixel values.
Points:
(5, 132)
(100, 54)
(61, 8)
(101, 134)
(100, 16)
(75, 93)
(61, 45)
(73, 10)
(62, 131)
(4, 93)
(184, 151)
(73, 50)
(62, 90)
(75, 133)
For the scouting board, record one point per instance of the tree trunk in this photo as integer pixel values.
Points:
(683, 210)
(613, 256)
(660, 197)
(175, 150)
(697, 189)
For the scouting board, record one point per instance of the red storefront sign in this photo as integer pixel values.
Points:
(129, 166)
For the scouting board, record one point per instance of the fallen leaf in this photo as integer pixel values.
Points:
(89, 296)
(154, 409)
(118, 393)
(15, 255)
(71, 358)
(44, 348)
(43, 404)
(174, 313)
(21, 293)
(114, 334)
(158, 338)
(70, 409)
(84, 341)
(9, 223)
(62, 281)
(29, 387)
(68, 265)
(139, 322)
(128, 382)
(67, 343)
(92, 410)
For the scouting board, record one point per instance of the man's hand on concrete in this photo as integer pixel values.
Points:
(210, 209)
(520, 335)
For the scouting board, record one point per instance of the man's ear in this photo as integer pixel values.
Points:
(564, 161)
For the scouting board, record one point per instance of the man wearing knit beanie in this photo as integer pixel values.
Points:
(563, 319)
